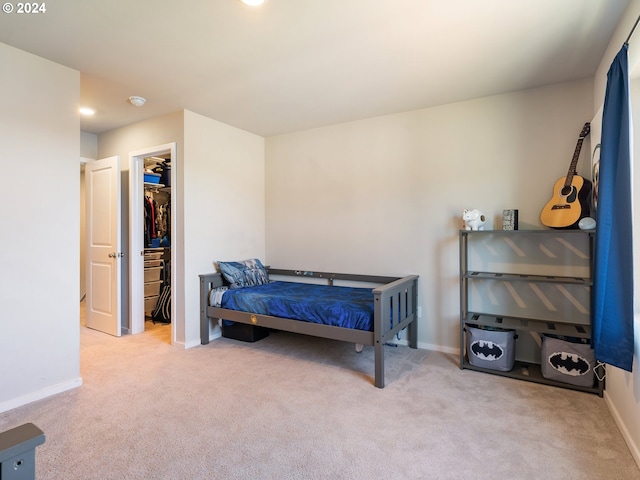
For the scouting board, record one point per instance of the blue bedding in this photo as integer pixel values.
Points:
(347, 307)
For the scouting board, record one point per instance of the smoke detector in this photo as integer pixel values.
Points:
(137, 101)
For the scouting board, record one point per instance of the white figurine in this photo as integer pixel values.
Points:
(473, 219)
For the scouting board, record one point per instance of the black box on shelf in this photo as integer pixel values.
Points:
(510, 219)
(244, 332)
(491, 348)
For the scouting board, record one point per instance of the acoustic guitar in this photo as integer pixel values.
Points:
(570, 202)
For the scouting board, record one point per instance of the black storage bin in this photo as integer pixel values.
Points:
(165, 174)
(244, 332)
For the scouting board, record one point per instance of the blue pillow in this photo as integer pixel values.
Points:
(244, 273)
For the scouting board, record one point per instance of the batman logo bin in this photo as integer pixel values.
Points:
(566, 361)
(494, 349)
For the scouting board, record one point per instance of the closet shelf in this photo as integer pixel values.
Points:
(157, 187)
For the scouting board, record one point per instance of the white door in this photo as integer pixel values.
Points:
(102, 186)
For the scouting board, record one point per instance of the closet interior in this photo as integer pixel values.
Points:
(157, 239)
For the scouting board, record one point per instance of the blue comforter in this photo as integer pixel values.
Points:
(347, 307)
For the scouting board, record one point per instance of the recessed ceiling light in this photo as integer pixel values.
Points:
(137, 101)
(253, 3)
(87, 111)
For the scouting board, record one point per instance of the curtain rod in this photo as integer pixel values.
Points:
(632, 30)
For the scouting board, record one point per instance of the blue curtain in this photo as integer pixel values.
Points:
(613, 258)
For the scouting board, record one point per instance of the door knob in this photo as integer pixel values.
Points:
(112, 255)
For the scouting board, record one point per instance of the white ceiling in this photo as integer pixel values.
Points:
(296, 64)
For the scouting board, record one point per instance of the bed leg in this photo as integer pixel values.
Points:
(412, 333)
(379, 362)
(204, 320)
(204, 330)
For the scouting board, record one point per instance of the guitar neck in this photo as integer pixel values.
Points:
(574, 162)
(576, 155)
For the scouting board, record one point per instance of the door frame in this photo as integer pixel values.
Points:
(136, 235)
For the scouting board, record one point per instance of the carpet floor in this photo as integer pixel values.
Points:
(296, 407)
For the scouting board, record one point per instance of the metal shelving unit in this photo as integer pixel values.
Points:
(577, 326)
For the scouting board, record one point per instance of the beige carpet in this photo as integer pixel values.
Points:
(295, 407)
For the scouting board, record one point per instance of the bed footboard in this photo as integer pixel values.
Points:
(396, 306)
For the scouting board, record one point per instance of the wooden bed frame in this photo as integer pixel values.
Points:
(395, 307)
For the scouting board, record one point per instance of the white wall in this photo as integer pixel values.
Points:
(88, 151)
(88, 145)
(217, 201)
(385, 195)
(224, 204)
(40, 151)
(622, 388)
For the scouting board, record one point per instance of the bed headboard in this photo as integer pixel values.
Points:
(330, 277)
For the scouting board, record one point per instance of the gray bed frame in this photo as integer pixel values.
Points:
(399, 293)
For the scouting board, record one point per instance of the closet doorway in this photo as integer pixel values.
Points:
(146, 282)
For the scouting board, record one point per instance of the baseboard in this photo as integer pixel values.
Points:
(195, 343)
(190, 344)
(427, 346)
(633, 448)
(439, 348)
(217, 333)
(40, 394)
